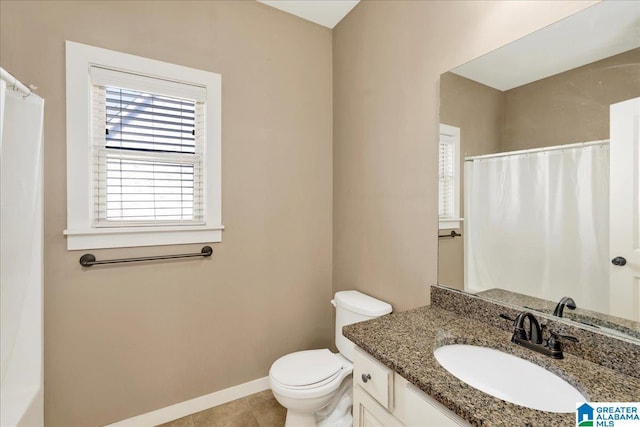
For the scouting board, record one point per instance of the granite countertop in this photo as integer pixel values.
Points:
(405, 342)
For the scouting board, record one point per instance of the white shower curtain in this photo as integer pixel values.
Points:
(537, 223)
(21, 258)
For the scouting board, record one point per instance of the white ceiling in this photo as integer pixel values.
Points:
(324, 12)
(602, 30)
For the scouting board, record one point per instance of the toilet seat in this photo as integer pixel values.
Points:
(310, 386)
(309, 373)
(306, 368)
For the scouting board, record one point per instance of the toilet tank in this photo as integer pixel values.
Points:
(354, 307)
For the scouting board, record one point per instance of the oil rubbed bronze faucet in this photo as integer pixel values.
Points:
(565, 301)
(527, 332)
(526, 328)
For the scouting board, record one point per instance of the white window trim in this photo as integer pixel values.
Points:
(451, 223)
(80, 232)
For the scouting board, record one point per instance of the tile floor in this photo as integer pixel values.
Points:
(257, 410)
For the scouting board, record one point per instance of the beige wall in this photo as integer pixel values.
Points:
(388, 56)
(124, 340)
(572, 106)
(478, 111)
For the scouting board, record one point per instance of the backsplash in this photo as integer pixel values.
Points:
(620, 355)
(616, 325)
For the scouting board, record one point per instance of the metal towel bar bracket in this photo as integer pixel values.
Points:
(87, 260)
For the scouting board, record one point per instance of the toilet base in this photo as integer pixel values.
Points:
(299, 419)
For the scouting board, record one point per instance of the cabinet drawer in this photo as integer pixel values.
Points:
(375, 378)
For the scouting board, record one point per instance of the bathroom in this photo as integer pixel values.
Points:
(329, 182)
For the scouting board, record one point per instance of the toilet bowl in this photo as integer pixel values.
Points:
(306, 381)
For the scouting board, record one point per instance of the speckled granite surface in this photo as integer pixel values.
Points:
(617, 353)
(405, 342)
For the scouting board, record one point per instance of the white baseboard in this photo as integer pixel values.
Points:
(182, 409)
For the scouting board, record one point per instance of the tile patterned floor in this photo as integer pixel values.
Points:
(257, 410)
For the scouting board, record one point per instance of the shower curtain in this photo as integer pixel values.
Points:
(537, 223)
(21, 258)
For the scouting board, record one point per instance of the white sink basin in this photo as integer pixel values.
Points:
(509, 378)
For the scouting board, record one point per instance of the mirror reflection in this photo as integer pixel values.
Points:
(539, 171)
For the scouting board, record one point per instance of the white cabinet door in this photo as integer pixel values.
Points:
(368, 420)
(624, 214)
(424, 411)
(369, 413)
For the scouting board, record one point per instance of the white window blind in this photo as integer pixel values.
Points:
(147, 151)
(447, 178)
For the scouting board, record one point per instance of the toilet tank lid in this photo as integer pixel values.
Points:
(362, 304)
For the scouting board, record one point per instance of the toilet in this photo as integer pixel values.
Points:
(306, 381)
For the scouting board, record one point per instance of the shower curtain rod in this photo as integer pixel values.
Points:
(14, 82)
(538, 150)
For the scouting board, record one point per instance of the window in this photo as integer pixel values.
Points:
(143, 151)
(147, 152)
(449, 177)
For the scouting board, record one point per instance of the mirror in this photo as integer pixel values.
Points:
(530, 126)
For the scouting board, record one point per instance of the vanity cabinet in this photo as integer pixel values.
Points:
(382, 398)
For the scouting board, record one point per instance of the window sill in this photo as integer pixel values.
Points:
(103, 238)
(450, 224)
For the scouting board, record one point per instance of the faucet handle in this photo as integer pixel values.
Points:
(560, 337)
(504, 316)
